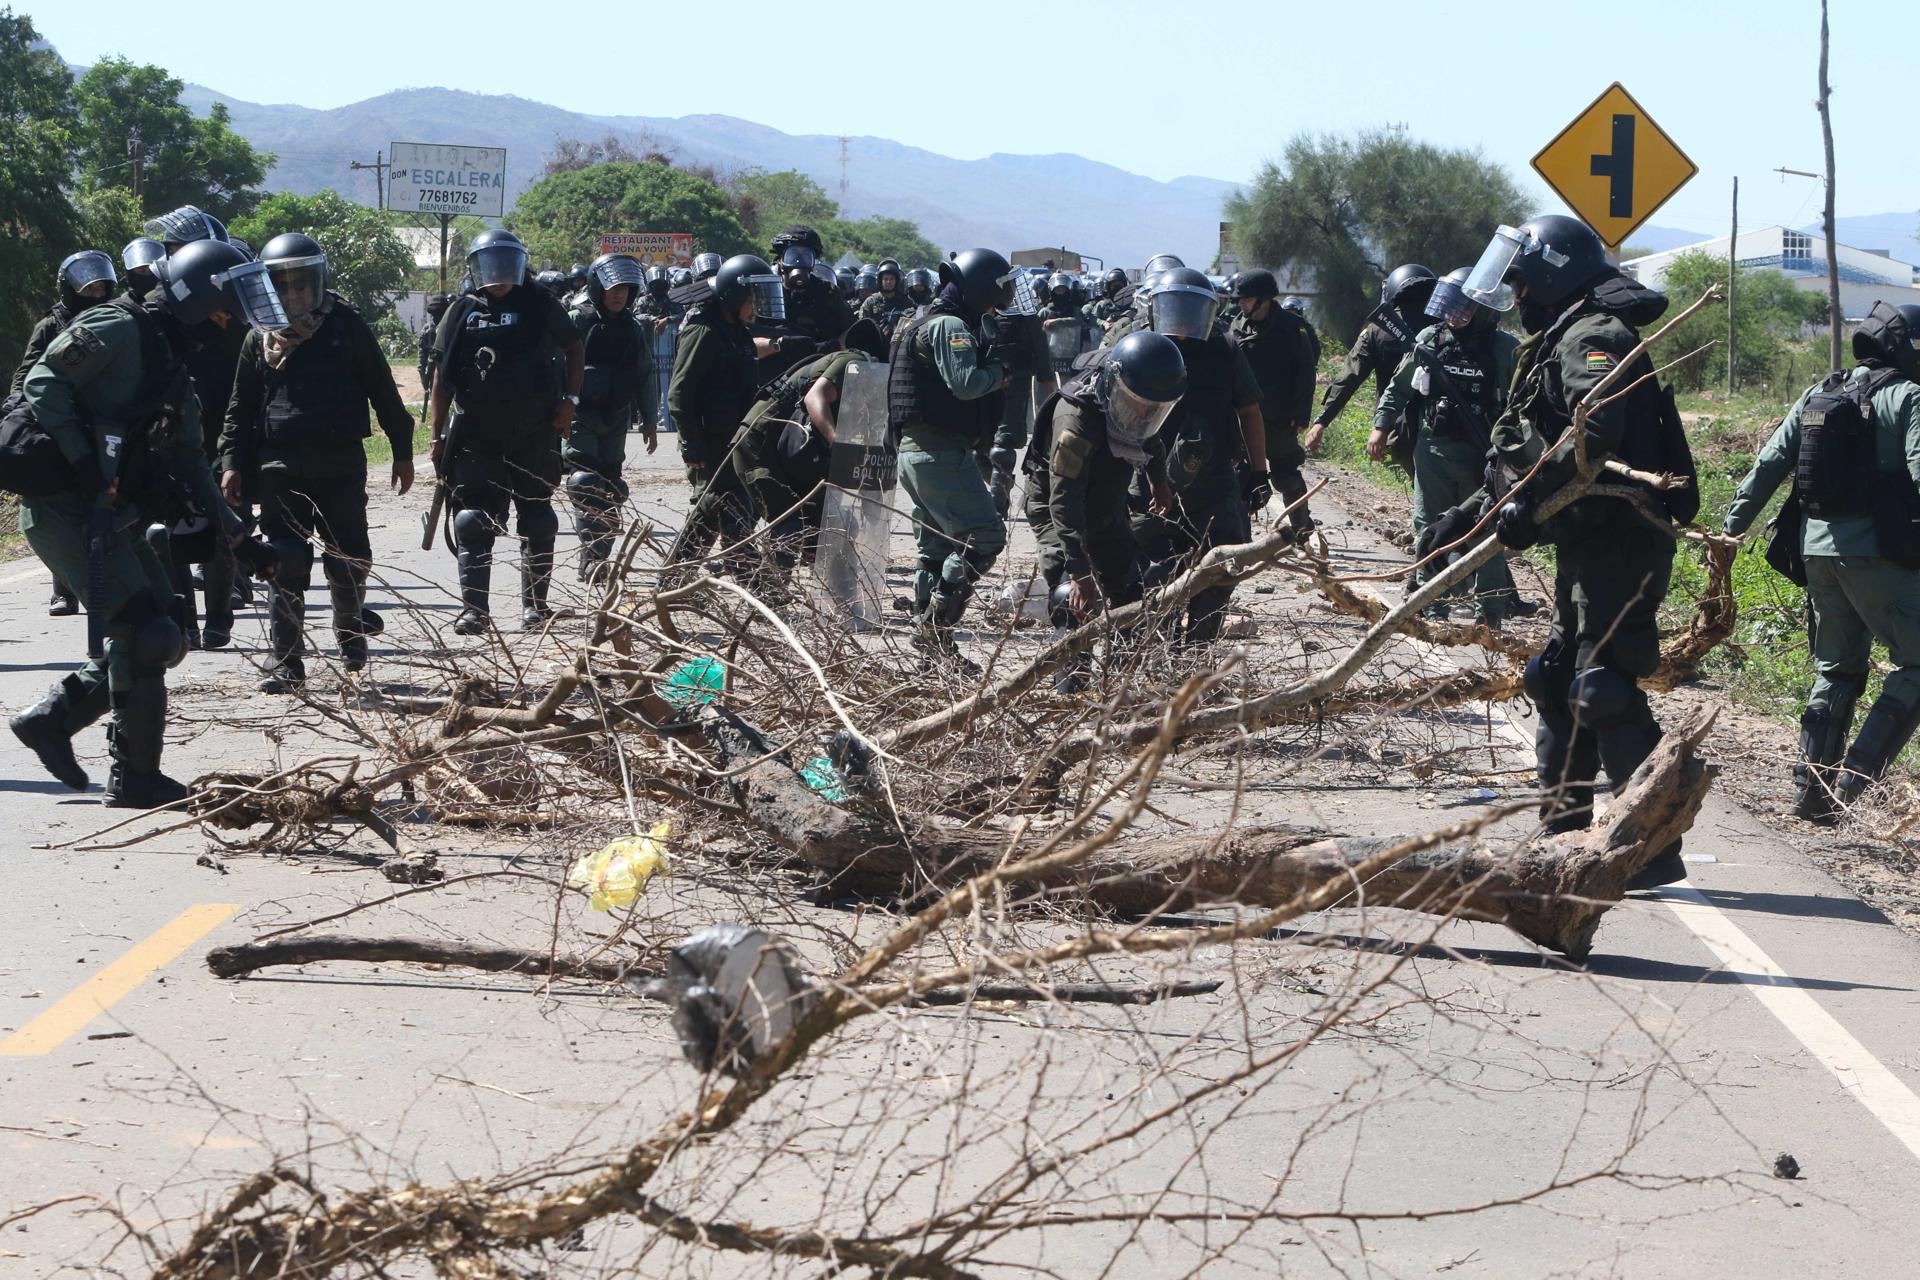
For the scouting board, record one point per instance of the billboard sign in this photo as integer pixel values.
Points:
(652, 248)
(428, 178)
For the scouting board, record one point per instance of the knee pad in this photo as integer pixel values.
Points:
(472, 531)
(978, 561)
(538, 523)
(587, 488)
(155, 641)
(160, 540)
(1605, 697)
(295, 569)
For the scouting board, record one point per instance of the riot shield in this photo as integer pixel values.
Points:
(663, 348)
(856, 524)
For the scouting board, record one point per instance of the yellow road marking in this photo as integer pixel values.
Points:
(112, 984)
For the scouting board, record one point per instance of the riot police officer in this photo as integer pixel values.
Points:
(889, 300)
(816, 314)
(1112, 303)
(554, 283)
(292, 443)
(920, 284)
(576, 280)
(1064, 326)
(494, 357)
(1453, 386)
(184, 226)
(618, 382)
(705, 265)
(85, 279)
(715, 378)
(1093, 438)
(660, 318)
(1612, 565)
(111, 394)
(1384, 341)
(1015, 340)
(1849, 448)
(1214, 430)
(1281, 349)
(938, 410)
(436, 311)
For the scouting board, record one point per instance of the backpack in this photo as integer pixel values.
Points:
(1834, 474)
(31, 463)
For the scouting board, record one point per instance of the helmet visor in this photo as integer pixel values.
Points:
(1487, 282)
(300, 282)
(497, 264)
(1182, 311)
(705, 264)
(1022, 299)
(1451, 305)
(1131, 419)
(611, 273)
(89, 266)
(251, 286)
(142, 253)
(770, 298)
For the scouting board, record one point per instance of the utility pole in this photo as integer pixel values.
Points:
(1733, 285)
(137, 160)
(1833, 250)
(379, 167)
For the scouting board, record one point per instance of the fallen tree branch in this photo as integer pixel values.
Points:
(249, 957)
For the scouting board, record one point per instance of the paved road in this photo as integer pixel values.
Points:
(1758, 1009)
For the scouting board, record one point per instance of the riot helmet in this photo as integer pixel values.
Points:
(1113, 282)
(1182, 304)
(985, 282)
(824, 274)
(85, 278)
(196, 282)
(659, 282)
(867, 282)
(552, 281)
(888, 267)
(1259, 285)
(437, 306)
(1296, 304)
(849, 281)
(798, 234)
(1161, 262)
(496, 259)
(1407, 287)
(184, 226)
(611, 271)
(745, 276)
(141, 254)
(704, 265)
(1060, 289)
(576, 277)
(1552, 256)
(1139, 381)
(680, 276)
(920, 285)
(1890, 334)
(298, 266)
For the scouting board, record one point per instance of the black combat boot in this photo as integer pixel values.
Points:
(286, 610)
(63, 604)
(47, 729)
(1823, 739)
(349, 624)
(127, 789)
(1888, 727)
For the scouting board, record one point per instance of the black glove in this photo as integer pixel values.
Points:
(1001, 488)
(793, 346)
(1002, 457)
(1257, 488)
(255, 553)
(1454, 524)
(1514, 525)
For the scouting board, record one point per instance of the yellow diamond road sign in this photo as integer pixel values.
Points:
(1613, 166)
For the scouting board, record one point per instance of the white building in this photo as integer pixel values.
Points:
(1866, 275)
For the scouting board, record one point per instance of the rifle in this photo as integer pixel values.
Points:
(430, 522)
(99, 542)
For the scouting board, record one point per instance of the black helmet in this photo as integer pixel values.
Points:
(141, 254)
(552, 281)
(1113, 282)
(185, 225)
(577, 276)
(1253, 284)
(437, 305)
(849, 280)
(680, 276)
(610, 271)
(196, 281)
(658, 281)
(799, 234)
(81, 270)
(298, 266)
(1183, 304)
(983, 279)
(866, 281)
(704, 265)
(1890, 334)
(1138, 382)
(1450, 305)
(880, 273)
(1553, 255)
(1060, 282)
(496, 257)
(920, 284)
(1161, 262)
(1412, 280)
(745, 275)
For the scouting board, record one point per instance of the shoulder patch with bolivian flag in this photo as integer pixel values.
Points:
(1598, 362)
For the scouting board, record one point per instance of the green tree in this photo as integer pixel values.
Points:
(186, 159)
(767, 201)
(110, 218)
(562, 217)
(876, 238)
(36, 160)
(367, 261)
(1769, 313)
(1351, 209)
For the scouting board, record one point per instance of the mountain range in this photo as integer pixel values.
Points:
(1008, 201)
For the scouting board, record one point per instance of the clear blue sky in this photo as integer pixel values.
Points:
(1733, 83)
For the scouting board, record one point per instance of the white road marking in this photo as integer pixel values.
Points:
(1861, 1074)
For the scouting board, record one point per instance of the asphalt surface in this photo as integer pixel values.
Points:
(1759, 1009)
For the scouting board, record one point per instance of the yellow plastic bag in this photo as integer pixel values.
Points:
(617, 875)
